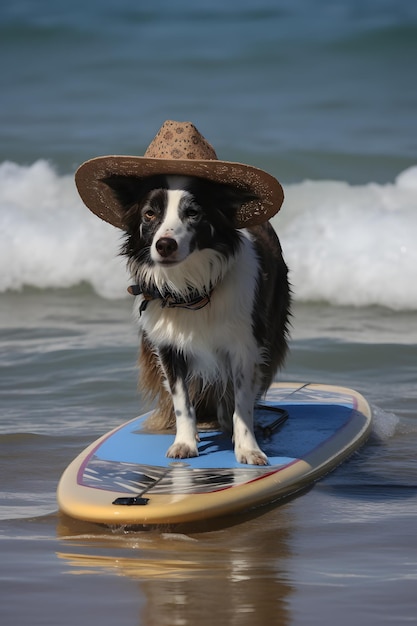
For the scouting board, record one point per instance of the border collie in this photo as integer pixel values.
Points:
(212, 307)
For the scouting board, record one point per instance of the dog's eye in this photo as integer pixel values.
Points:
(192, 214)
(149, 215)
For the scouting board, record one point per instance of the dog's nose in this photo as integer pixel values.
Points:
(166, 246)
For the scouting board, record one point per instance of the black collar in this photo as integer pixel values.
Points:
(194, 302)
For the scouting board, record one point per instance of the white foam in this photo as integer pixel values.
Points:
(49, 239)
(384, 424)
(344, 244)
(352, 245)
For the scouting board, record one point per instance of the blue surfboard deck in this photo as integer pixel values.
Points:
(125, 477)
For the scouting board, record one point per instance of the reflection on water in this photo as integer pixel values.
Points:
(227, 571)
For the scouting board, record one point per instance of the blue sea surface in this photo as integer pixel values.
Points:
(320, 89)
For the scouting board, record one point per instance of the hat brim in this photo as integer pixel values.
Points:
(99, 198)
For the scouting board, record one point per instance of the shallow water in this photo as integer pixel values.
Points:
(345, 546)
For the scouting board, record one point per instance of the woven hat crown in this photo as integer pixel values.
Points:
(179, 140)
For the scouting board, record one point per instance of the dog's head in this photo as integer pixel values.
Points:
(168, 218)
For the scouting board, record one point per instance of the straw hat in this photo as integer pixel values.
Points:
(178, 149)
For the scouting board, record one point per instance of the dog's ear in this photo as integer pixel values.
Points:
(125, 189)
(237, 197)
(230, 199)
(129, 190)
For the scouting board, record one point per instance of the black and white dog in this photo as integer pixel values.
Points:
(213, 307)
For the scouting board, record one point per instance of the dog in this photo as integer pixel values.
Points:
(212, 305)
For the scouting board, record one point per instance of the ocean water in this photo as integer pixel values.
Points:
(322, 95)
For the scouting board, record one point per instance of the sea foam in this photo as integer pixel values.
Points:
(352, 245)
(48, 238)
(344, 244)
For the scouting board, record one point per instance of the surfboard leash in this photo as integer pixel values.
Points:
(268, 430)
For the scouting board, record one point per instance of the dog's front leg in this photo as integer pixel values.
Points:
(175, 370)
(246, 446)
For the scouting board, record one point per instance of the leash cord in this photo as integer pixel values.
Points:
(283, 415)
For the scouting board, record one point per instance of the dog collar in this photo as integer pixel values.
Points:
(170, 301)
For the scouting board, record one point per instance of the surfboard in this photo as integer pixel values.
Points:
(124, 478)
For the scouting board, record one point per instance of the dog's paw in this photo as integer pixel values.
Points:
(251, 457)
(182, 450)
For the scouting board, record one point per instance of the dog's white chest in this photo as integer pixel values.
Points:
(208, 336)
